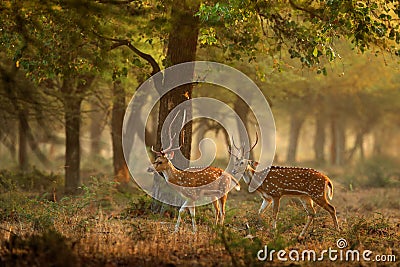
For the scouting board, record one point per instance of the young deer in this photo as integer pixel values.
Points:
(306, 184)
(193, 183)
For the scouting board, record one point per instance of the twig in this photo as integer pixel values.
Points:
(126, 42)
(309, 11)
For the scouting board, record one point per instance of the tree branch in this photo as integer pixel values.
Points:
(309, 11)
(125, 42)
(115, 2)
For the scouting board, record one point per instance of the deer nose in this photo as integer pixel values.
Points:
(234, 172)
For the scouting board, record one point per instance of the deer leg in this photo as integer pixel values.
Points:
(216, 208)
(182, 209)
(193, 214)
(222, 202)
(265, 204)
(275, 210)
(308, 206)
(333, 214)
(332, 211)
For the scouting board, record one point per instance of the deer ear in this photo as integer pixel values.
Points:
(170, 155)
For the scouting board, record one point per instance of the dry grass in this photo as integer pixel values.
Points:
(103, 228)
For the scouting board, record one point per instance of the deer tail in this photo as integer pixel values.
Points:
(330, 189)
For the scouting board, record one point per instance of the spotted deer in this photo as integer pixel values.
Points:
(193, 183)
(308, 185)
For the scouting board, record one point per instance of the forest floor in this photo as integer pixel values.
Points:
(103, 227)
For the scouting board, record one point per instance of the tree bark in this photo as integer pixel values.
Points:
(243, 110)
(72, 108)
(96, 118)
(73, 93)
(378, 136)
(358, 144)
(182, 46)
(118, 111)
(22, 141)
(338, 144)
(296, 122)
(320, 137)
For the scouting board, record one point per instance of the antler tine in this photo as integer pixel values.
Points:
(184, 118)
(230, 150)
(156, 152)
(171, 137)
(233, 142)
(255, 143)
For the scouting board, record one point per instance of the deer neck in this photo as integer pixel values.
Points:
(249, 172)
(172, 174)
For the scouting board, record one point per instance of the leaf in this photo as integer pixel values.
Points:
(315, 52)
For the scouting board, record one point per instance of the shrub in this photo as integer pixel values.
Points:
(47, 249)
(34, 180)
(377, 172)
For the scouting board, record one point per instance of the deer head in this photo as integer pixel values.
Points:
(241, 164)
(164, 156)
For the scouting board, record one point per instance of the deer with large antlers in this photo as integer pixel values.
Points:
(308, 185)
(194, 183)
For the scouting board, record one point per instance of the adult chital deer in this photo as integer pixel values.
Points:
(308, 185)
(193, 183)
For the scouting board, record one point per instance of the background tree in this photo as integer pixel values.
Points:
(54, 46)
(64, 48)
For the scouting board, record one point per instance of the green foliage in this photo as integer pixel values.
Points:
(49, 247)
(378, 171)
(43, 214)
(140, 206)
(35, 180)
(52, 39)
(242, 250)
(360, 230)
(307, 29)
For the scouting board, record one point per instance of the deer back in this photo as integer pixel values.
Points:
(294, 181)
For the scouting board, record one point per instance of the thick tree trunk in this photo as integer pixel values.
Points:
(338, 144)
(358, 144)
(200, 133)
(73, 93)
(182, 45)
(243, 110)
(22, 142)
(361, 147)
(296, 122)
(96, 118)
(379, 142)
(320, 136)
(72, 108)
(118, 111)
